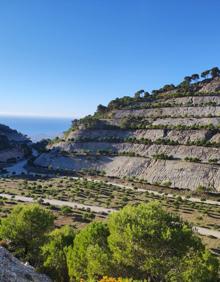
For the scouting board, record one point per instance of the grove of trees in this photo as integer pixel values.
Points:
(140, 243)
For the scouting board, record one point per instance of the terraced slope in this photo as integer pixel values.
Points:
(171, 139)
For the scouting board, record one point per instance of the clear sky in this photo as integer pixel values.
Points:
(63, 57)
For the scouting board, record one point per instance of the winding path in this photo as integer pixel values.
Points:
(19, 168)
(191, 199)
(59, 203)
(207, 232)
(200, 230)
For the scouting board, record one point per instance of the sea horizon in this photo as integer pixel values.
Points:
(37, 127)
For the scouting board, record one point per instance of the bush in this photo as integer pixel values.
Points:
(66, 210)
(89, 256)
(162, 157)
(201, 189)
(166, 183)
(192, 159)
(55, 253)
(140, 242)
(213, 161)
(26, 228)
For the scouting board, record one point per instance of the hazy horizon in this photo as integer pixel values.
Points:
(36, 116)
(37, 128)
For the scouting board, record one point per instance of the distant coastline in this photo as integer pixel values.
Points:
(37, 128)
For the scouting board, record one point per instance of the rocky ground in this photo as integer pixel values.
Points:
(11, 269)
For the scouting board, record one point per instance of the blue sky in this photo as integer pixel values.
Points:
(62, 58)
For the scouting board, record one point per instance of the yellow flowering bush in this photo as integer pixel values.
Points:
(112, 279)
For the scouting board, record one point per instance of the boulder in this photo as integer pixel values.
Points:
(13, 270)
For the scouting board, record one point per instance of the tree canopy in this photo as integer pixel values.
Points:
(89, 257)
(141, 242)
(147, 242)
(55, 253)
(26, 228)
(137, 243)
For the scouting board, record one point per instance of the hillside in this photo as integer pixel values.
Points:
(170, 137)
(13, 145)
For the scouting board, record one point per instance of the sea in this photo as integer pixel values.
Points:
(37, 128)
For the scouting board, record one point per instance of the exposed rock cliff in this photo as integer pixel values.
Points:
(12, 270)
(171, 136)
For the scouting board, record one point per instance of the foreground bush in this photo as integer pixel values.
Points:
(148, 243)
(142, 242)
(55, 253)
(137, 243)
(111, 279)
(26, 228)
(90, 257)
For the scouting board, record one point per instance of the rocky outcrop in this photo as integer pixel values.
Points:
(192, 100)
(199, 122)
(96, 134)
(184, 175)
(170, 112)
(13, 270)
(213, 86)
(180, 152)
(13, 145)
(180, 136)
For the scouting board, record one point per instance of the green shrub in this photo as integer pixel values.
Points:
(192, 159)
(66, 209)
(162, 157)
(26, 228)
(55, 253)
